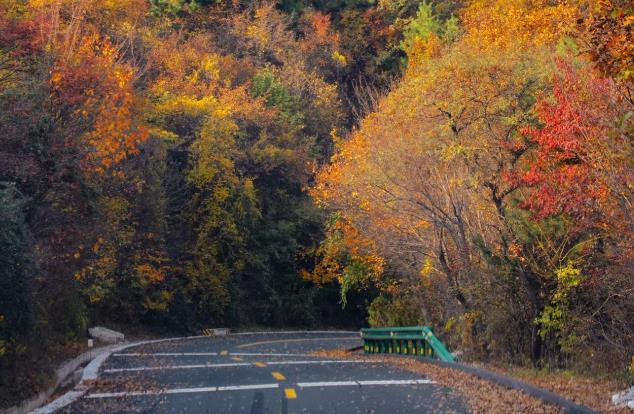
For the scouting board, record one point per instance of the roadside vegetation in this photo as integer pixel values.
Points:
(174, 165)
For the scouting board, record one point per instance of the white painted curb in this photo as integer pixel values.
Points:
(91, 371)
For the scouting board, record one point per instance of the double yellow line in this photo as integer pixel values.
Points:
(289, 393)
(278, 376)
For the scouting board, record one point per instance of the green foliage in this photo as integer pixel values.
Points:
(422, 26)
(266, 84)
(175, 7)
(15, 270)
(629, 372)
(394, 311)
(353, 275)
(557, 317)
(338, 5)
(427, 23)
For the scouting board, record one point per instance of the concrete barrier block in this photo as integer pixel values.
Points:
(106, 335)
(624, 399)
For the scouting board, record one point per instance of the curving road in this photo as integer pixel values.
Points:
(258, 373)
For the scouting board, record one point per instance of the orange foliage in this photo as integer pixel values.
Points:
(611, 37)
(321, 24)
(491, 24)
(423, 49)
(345, 245)
(321, 42)
(99, 88)
(150, 274)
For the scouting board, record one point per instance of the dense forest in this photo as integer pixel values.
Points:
(179, 164)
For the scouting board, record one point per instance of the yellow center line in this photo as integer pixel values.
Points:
(278, 376)
(259, 364)
(290, 393)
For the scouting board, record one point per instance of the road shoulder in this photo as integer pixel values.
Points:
(482, 396)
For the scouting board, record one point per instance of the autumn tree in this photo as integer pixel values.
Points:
(580, 170)
(425, 176)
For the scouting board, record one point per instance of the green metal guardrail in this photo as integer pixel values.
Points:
(413, 340)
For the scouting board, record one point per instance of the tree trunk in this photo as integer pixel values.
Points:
(536, 345)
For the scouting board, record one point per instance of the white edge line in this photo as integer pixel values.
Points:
(181, 391)
(229, 365)
(397, 382)
(294, 332)
(361, 383)
(326, 384)
(122, 394)
(268, 354)
(146, 354)
(255, 387)
(170, 354)
(342, 338)
(248, 387)
(168, 367)
(335, 361)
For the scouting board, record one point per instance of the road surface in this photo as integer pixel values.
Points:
(258, 373)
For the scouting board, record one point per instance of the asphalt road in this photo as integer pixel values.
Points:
(258, 373)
